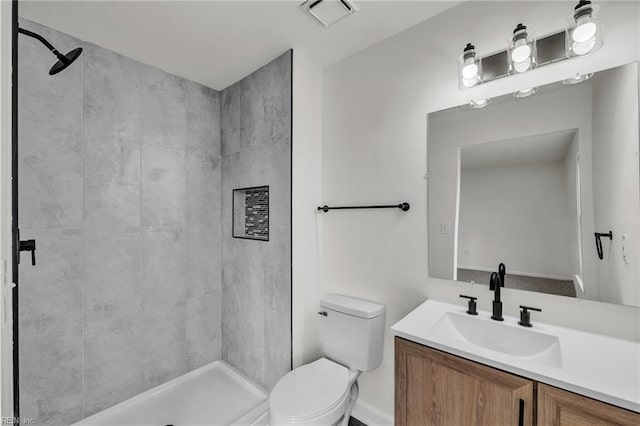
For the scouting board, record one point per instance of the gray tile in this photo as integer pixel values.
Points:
(163, 186)
(277, 98)
(49, 125)
(243, 307)
(164, 265)
(112, 91)
(204, 259)
(263, 165)
(163, 344)
(50, 185)
(163, 115)
(251, 92)
(277, 348)
(111, 273)
(203, 329)
(276, 266)
(111, 362)
(51, 370)
(203, 118)
(53, 100)
(230, 120)
(53, 287)
(111, 183)
(203, 181)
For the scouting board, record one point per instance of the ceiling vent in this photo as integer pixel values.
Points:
(328, 12)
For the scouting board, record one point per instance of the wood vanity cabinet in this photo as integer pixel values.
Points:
(433, 388)
(557, 407)
(437, 389)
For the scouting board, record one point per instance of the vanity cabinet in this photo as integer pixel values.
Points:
(557, 407)
(437, 389)
(433, 388)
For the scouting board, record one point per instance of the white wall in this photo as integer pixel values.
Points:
(516, 214)
(6, 389)
(615, 181)
(375, 105)
(307, 138)
(574, 209)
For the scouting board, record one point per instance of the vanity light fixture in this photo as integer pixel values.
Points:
(480, 103)
(579, 78)
(522, 50)
(582, 36)
(524, 93)
(584, 32)
(469, 68)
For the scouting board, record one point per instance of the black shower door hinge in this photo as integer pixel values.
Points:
(26, 245)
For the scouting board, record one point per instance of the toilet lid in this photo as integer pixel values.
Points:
(310, 389)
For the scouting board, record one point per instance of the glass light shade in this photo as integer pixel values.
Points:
(469, 68)
(584, 30)
(480, 103)
(523, 93)
(521, 53)
(578, 78)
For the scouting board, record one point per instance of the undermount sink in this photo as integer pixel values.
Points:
(499, 337)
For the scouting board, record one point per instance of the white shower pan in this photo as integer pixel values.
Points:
(215, 394)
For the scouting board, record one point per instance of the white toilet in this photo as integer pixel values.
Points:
(324, 392)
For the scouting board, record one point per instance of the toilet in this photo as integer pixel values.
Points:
(324, 392)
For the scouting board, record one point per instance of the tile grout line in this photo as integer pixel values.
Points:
(186, 230)
(82, 233)
(140, 277)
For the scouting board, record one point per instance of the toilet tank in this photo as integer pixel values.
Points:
(352, 331)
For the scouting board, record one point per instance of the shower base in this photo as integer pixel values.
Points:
(215, 394)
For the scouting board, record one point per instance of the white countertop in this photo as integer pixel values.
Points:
(596, 366)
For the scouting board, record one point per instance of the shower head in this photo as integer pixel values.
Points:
(65, 60)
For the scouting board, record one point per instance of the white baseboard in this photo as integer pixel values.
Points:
(370, 415)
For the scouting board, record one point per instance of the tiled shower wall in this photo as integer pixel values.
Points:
(120, 183)
(256, 275)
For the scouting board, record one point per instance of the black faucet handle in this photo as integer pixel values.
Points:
(472, 309)
(525, 315)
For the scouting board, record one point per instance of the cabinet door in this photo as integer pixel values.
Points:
(557, 407)
(437, 389)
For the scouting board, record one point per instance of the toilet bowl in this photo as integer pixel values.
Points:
(313, 394)
(324, 391)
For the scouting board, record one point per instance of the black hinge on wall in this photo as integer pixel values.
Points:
(27, 245)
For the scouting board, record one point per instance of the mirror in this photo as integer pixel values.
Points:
(548, 184)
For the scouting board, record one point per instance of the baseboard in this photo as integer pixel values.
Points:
(371, 416)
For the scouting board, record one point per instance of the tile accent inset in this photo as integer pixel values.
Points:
(251, 213)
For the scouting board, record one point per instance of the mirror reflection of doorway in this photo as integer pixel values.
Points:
(519, 205)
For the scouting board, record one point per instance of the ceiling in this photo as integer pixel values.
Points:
(216, 43)
(542, 148)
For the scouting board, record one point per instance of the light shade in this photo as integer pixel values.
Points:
(469, 68)
(584, 30)
(521, 54)
(525, 93)
(480, 103)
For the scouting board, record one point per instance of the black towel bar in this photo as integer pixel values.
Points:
(402, 206)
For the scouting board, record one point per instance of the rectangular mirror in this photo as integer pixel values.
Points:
(548, 184)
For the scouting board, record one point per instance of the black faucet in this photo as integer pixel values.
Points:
(497, 281)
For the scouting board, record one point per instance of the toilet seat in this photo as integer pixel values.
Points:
(310, 391)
